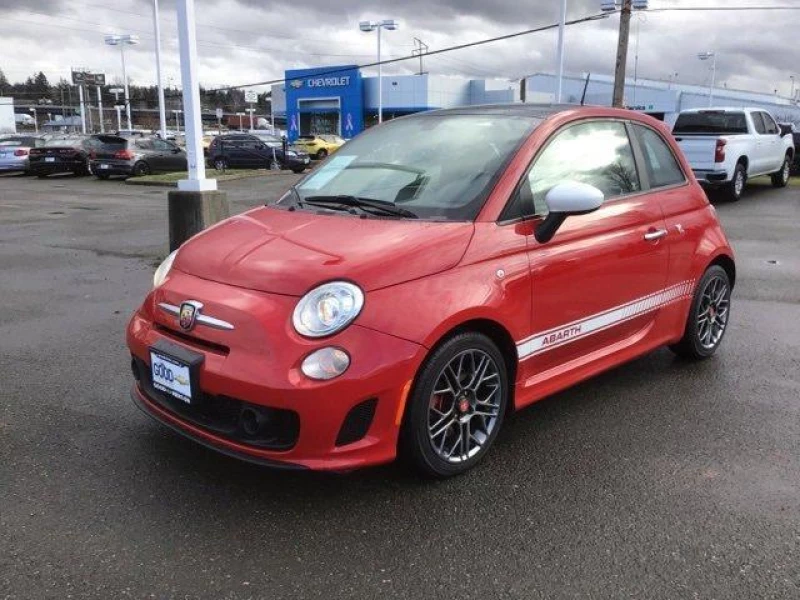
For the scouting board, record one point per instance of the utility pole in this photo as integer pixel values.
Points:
(560, 54)
(618, 98)
(420, 48)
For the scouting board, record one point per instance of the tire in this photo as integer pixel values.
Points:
(298, 170)
(41, 175)
(220, 163)
(452, 412)
(781, 178)
(712, 300)
(321, 154)
(141, 168)
(735, 188)
(104, 177)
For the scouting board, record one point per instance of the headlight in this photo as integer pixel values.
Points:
(326, 363)
(163, 269)
(291, 153)
(327, 309)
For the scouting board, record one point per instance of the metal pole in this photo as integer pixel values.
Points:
(250, 110)
(119, 116)
(83, 112)
(636, 58)
(162, 115)
(35, 121)
(127, 91)
(89, 109)
(618, 98)
(187, 41)
(791, 93)
(713, 80)
(562, 25)
(100, 108)
(380, 78)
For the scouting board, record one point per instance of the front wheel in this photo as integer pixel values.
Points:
(708, 316)
(298, 170)
(321, 154)
(457, 406)
(220, 164)
(781, 178)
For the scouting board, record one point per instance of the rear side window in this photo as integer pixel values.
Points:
(662, 166)
(758, 123)
(710, 122)
(598, 153)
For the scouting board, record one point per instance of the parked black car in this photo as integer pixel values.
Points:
(244, 151)
(61, 155)
(134, 156)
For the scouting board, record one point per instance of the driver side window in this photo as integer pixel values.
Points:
(597, 152)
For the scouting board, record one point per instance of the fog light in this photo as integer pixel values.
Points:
(325, 363)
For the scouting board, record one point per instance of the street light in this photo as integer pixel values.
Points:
(162, 117)
(713, 57)
(122, 41)
(791, 92)
(117, 91)
(177, 119)
(368, 26)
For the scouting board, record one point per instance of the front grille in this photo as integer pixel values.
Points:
(356, 423)
(191, 340)
(236, 420)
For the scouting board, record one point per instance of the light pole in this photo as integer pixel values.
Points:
(117, 91)
(562, 25)
(177, 119)
(713, 57)
(161, 110)
(122, 41)
(251, 111)
(791, 92)
(240, 115)
(367, 26)
(35, 120)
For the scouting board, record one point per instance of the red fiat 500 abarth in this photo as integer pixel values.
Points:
(437, 273)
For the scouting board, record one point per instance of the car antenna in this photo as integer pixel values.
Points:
(585, 87)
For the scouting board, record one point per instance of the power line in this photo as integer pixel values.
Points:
(500, 38)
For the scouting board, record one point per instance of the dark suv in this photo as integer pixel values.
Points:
(134, 156)
(243, 151)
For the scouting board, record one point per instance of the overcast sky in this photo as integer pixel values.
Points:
(241, 41)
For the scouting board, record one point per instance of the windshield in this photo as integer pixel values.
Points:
(436, 166)
(711, 122)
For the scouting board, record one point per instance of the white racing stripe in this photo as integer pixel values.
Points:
(571, 332)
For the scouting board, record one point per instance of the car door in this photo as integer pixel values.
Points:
(759, 159)
(146, 148)
(773, 144)
(174, 158)
(598, 284)
(686, 216)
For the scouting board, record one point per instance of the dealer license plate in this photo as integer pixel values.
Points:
(171, 376)
(49, 159)
(105, 166)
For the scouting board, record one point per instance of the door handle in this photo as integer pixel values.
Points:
(652, 236)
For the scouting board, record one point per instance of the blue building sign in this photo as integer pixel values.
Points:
(324, 100)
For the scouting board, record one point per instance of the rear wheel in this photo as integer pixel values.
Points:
(298, 170)
(736, 186)
(781, 178)
(321, 154)
(708, 316)
(102, 176)
(220, 164)
(457, 407)
(141, 168)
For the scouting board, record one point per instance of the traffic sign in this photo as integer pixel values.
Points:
(250, 96)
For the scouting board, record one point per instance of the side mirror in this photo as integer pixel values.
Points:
(567, 199)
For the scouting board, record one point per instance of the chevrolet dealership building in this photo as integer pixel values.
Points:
(340, 100)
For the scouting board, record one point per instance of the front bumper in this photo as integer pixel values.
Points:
(258, 364)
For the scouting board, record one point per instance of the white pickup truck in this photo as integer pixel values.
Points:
(727, 146)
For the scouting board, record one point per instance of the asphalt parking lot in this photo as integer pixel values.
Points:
(660, 479)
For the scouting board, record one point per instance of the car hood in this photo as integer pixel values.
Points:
(291, 252)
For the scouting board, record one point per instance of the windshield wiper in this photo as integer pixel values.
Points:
(389, 208)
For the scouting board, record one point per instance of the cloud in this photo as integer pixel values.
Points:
(241, 41)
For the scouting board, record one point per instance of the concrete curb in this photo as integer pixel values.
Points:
(220, 178)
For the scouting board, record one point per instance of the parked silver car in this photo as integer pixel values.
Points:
(15, 151)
